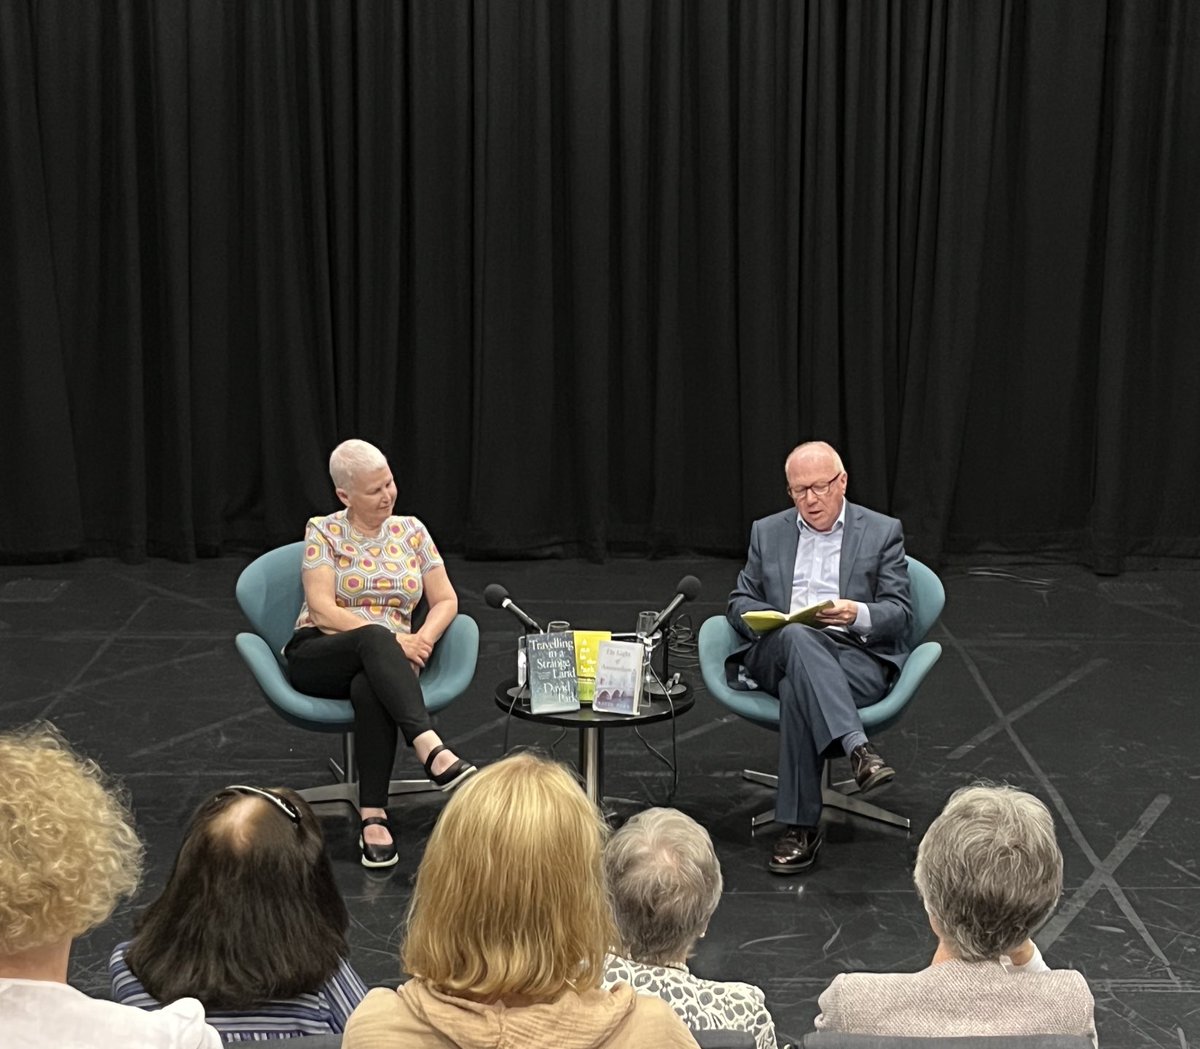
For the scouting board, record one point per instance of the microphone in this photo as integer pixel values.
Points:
(496, 596)
(686, 590)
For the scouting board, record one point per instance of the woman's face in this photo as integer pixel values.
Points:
(371, 496)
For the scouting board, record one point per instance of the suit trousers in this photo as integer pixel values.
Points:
(821, 681)
(369, 668)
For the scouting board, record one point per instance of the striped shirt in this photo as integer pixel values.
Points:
(325, 1011)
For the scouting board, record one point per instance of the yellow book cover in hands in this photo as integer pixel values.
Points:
(763, 620)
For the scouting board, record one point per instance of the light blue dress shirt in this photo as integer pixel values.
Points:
(817, 571)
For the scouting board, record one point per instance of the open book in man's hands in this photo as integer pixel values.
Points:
(763, 620)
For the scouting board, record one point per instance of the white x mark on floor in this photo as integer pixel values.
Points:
(1102, 871)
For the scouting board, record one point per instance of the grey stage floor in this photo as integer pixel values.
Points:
(1078, 688)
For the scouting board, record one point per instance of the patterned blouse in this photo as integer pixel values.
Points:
(325, 1011)
(704, 1005)
(376, 577)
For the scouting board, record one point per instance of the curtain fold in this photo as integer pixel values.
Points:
(587, 271)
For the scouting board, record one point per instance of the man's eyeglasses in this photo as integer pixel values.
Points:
(283, 804)
(800, 491)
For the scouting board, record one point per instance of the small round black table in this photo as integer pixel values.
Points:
(592, 725)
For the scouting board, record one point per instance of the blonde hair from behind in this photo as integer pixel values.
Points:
(510, 897)
(68, 850)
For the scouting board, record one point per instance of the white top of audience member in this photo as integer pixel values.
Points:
(35, 1014)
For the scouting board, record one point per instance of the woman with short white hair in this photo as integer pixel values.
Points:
(665, 882)
(989, 872)
(365, 571)
(68, 853)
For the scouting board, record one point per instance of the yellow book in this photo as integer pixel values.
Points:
(761, 621)
(587, 648)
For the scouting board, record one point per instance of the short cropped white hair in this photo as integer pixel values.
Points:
(989, 870)
(665, 882)
(352, 458)
(820, 449)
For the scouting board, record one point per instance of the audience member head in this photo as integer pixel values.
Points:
(989, 870)
(509, 901)
(250, 911)
(68, 850)
(665, 882)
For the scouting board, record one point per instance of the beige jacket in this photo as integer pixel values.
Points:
(959, 998)
(418, 1017)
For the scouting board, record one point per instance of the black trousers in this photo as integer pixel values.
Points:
(370, 669)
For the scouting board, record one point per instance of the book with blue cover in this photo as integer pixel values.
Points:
(553, 687)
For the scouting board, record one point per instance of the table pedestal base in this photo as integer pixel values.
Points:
(591, 763)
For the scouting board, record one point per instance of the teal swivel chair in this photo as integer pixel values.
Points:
(270, 593)
(718, 640)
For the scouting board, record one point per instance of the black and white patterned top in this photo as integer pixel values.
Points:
(704, 1005)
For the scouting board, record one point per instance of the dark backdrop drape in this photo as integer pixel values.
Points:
(587, 270)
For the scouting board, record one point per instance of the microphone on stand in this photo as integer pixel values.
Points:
(686, 589)
(497, 596)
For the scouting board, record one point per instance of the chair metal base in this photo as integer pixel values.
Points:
(840, 795)
(345, 787)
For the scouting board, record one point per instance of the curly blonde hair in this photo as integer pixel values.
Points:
(68, 850)
(510, 897)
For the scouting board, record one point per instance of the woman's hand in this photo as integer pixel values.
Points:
(417, 648)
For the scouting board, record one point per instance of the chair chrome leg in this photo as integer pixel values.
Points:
(766, 779)
(840, 795)
(410, 786)
(346, 792)
(834, 797)
(347, 770)
(346, 775)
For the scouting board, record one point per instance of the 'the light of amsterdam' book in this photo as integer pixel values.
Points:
(619, 677)
(763, 620)
(552, 685)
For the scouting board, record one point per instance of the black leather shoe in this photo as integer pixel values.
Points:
(378, 855)
(796, 851)
(453, 776)
(868, 768)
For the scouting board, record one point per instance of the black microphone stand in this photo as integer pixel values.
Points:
(520, 691)
(662, 685)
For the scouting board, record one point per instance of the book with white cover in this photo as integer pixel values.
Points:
(619, 677)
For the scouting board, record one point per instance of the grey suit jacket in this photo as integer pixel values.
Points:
(959, 998)
(873, 571)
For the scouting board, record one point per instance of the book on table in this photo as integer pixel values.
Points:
(619, 671)
(764, 620)
(553, 687)
(587, 648)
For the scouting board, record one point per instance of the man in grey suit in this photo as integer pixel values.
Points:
(825, 549)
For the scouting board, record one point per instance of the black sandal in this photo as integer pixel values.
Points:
(453, 776)
(378, 855)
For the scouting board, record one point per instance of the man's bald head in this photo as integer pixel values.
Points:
(816, 452)
(816, 482)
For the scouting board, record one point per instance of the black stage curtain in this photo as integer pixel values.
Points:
(587, 270)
